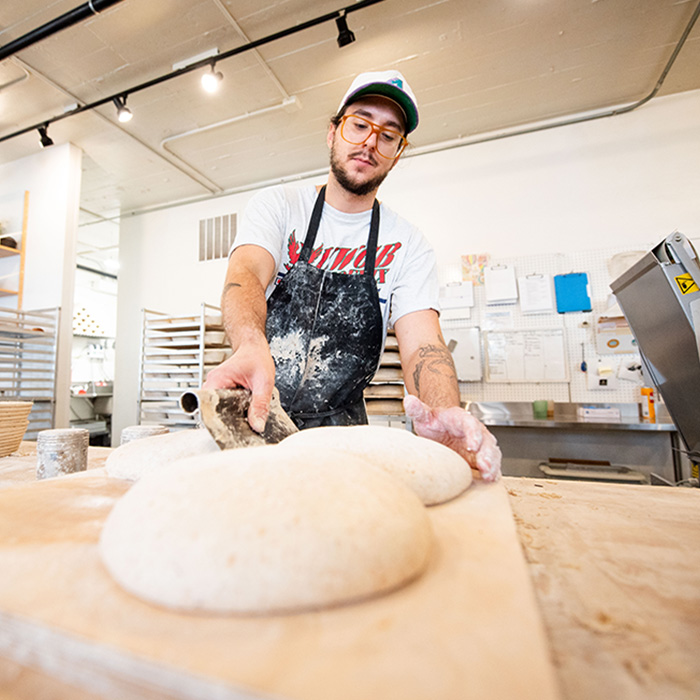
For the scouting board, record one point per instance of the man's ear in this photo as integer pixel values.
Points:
(330, 135)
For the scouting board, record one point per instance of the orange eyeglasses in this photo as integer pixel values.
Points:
(356, 130)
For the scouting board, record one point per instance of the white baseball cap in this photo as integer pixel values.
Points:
(389, 83)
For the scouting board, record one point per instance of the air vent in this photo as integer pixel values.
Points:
(216, 237)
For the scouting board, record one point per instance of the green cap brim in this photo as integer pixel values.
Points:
(396, 95)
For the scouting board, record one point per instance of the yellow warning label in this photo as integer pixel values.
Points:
(694, 471)
(687, 284)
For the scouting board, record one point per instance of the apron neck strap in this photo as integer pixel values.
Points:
(371, 252)
(312, 230)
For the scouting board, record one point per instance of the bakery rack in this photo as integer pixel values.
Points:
(28, 352)
(177, 352)
(384, 395)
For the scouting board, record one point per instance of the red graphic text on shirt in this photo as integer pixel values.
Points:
(349, 261)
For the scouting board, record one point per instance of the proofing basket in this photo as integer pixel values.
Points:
(14, 419)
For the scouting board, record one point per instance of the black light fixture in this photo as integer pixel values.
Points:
(211, 80)
(44, 139)
(124, 114)
(345, 36)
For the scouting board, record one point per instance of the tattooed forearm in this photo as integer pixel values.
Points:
(435, 361)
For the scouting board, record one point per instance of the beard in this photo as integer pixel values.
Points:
(360, 189)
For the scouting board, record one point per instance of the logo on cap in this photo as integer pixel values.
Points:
(396, 81)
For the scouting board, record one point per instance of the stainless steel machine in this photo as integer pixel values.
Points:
(660, 297)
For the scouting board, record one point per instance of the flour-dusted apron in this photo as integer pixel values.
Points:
(325, 332)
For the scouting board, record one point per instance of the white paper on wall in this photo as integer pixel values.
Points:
(500, 285)
(462, 313)
(456, 300)
(457, 294)
(526, 356)
(494, 319)
(536, 294)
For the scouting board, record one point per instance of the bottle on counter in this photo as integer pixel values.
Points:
(647, 404)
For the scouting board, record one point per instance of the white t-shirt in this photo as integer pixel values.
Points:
(405, 270)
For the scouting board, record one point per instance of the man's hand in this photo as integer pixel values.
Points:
(250, 367)
(460, 431)
(244, 310)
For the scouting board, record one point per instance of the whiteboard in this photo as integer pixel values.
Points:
(526, 356)
(465, 345)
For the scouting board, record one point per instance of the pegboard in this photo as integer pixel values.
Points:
(602, 266)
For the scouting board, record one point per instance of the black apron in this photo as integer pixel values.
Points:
(325, 332)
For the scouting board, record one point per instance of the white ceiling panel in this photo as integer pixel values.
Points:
(475, 66)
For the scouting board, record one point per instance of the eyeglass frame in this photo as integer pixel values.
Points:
(375, 129)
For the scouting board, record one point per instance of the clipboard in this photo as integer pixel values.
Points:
(572, 292)
(499, 284)
(536, 294)
(456, 300)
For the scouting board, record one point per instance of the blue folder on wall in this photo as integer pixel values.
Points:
(572, 292)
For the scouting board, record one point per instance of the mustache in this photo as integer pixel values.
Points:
(365, 155)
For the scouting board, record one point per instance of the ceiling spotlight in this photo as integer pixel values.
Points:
(44, 139)
(123, 112)
(212, 80)
(345, 36)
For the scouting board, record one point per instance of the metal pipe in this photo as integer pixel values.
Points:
(287, 104)
(68, 19)
(101, 273)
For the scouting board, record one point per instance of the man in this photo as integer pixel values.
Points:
(315, 277)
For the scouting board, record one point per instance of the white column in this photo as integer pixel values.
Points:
(52, 177)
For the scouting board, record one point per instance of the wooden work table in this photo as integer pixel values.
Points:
(616, 576)
(616, 570)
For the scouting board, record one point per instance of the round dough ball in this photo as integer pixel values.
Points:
(265, 529)
(435, 472)
(138, 457)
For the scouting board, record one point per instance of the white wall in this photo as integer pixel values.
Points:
(96, 301)
(94, 327)
(625, 181)
(622, 181)
(52, 177)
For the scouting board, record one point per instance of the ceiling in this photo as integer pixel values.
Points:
(476, 66)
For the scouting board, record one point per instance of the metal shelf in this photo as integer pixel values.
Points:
(176, 354)
(28, 363)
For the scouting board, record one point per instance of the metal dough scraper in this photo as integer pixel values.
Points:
(224, 414)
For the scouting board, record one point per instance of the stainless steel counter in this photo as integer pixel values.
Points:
(650, 449)
(519, 415)
(578, 424)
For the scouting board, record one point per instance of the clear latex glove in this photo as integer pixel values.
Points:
(460, 431)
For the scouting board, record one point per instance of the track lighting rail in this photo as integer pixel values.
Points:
(124, 93)
(67, 19)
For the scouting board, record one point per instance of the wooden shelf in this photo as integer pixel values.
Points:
(6, 251)
(384, 395)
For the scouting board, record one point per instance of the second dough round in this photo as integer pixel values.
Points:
(435, 472)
